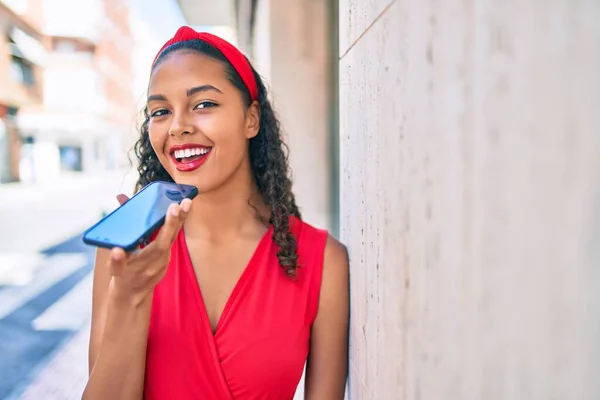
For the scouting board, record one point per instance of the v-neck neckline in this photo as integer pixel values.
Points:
(236, 289)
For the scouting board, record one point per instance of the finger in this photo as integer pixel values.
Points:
(117, 261)
(176, 215)
(122, 199)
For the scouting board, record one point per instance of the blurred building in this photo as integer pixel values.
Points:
(22, 57)
(86, 119)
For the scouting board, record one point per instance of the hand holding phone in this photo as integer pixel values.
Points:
(136, 220)
(159, 204)
(136, 274)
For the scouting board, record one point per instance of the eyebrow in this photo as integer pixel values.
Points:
(189, 92)
(203, 88)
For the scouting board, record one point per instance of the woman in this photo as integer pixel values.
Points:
(236, 292)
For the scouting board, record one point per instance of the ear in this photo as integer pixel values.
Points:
(252, 120)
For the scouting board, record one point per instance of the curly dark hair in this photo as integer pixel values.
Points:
(268, 157)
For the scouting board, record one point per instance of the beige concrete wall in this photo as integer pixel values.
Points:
(291, 51)
(470, 190)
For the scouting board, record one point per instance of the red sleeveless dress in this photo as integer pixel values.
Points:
(262, 338)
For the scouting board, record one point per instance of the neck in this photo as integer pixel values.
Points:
(228, 210)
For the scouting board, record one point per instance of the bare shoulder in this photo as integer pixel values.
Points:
(335, 263)
(336, 255)
(328, 358)
(335, 282)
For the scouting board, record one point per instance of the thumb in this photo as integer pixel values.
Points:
(118, 259)
(122, 199)
(176, 215)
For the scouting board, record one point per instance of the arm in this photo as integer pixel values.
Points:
(121, 305)
(117, 352)
(328, 359)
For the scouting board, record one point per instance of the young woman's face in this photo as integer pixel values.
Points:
(199, 126)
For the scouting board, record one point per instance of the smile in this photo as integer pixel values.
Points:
(190, 157)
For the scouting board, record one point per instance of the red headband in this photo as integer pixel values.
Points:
(229, 51)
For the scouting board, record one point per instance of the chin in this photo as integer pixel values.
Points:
(202, 185)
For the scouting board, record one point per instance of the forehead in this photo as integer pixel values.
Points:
(186, 69)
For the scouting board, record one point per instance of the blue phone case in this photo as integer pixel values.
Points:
(178, 191)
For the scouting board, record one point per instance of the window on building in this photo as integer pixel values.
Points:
(70, 158)
(22, 71)
(65, 46)
(71, 46)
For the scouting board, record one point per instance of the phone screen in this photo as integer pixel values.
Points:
(139, 217)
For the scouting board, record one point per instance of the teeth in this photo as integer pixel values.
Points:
(190, 152)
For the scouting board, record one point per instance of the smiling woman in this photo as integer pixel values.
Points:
(236, 293)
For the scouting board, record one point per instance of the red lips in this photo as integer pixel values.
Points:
(190, 156)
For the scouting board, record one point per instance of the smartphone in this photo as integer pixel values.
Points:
(134, 222)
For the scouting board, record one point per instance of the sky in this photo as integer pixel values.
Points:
(153, 22)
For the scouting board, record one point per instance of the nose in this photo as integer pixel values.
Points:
(180, 125)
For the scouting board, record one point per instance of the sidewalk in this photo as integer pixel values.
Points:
(45, 281)
(37, 216)
(65, 376)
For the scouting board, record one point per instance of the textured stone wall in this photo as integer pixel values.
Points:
(470, 198)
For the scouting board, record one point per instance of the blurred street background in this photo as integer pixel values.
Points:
(452, 146)
(45, 281)
(72, 83)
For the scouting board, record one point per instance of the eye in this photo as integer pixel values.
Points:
(205, 104)
(159, 113)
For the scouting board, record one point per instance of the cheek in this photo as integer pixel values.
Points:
(157, 141)
(231, 148)
(229, 139)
